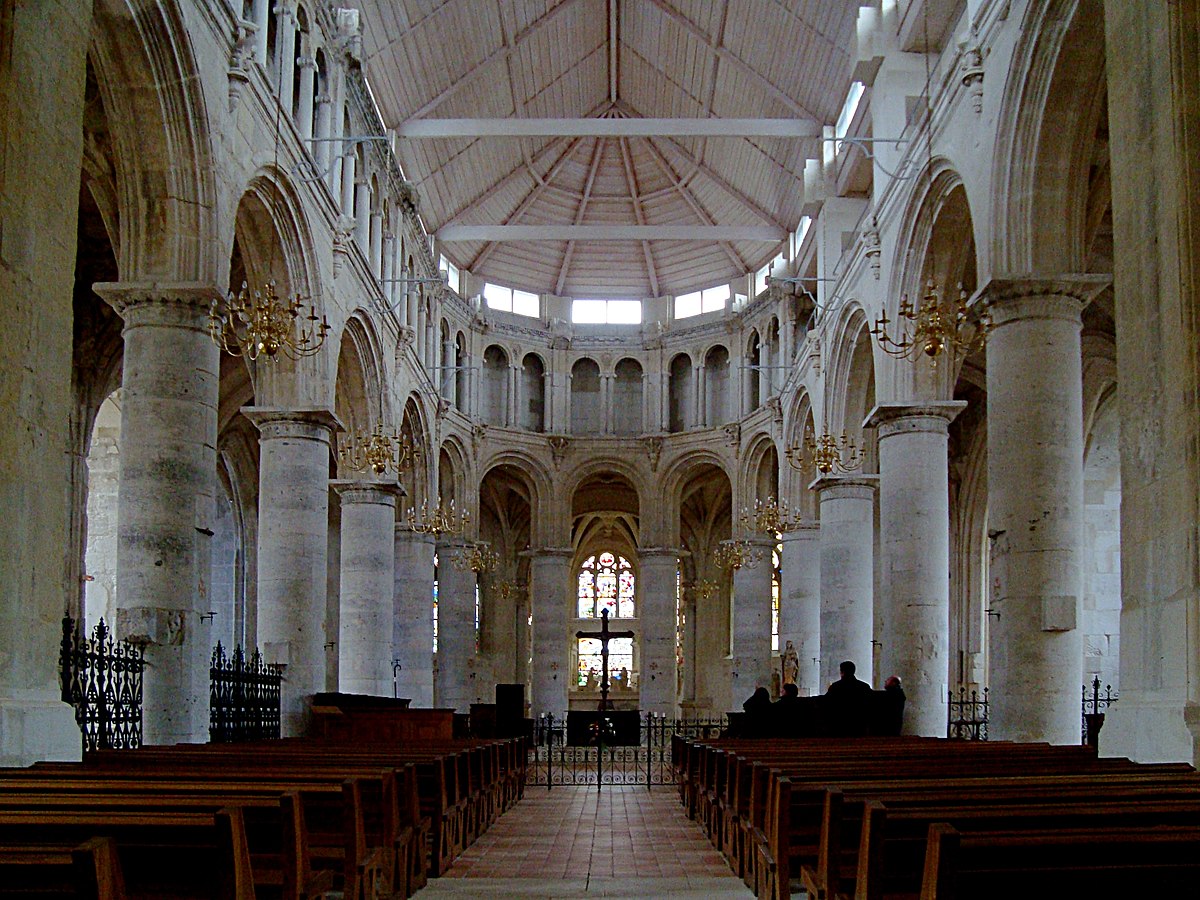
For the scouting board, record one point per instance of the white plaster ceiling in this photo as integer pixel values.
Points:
(562, 59)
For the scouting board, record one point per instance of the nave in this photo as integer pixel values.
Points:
(571, 841)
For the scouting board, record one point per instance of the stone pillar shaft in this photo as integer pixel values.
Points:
(412, 623)
(456, 629)
(549, 579)
(293, 549)
(751, 631)
(847, 573)
(167, 497)
(657, 589)
(308, 83)
(914, 546)
(1035, 511)
(800, 603)
(285, 46)
(367, 583)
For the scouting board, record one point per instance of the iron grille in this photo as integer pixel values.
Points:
(102, 680)
(243, 697)
(967, 715)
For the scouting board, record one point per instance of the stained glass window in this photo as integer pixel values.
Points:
(606, 581)
(620, 664)
(435, 599)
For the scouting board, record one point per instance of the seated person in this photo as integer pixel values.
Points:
(848, 704)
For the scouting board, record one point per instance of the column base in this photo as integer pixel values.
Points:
(1152, 731)
(38, 728)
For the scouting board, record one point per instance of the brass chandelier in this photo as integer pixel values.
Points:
(933, 327)
(439, 520)
(736, 554)
(378, 452)
(826, 454)
(260, 323)
(478, 557)
(770, 518)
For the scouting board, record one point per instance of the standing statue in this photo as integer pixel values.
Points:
(789, 661)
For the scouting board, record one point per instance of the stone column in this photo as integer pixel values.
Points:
(412, 622)
(321, 148)
(349, 164)
(1035, 509)
(914, 549)
(549, 581)
(293, 549)
(751, 631)
(847, 573)
(800, 603)
(376, 244)
(308, 83)
(167, 497)
(285, 46)
(606, 395)
(367, 584)
(259, 12)
(656, 587)
(456, 628)
(387, 273)
(446, 381)
(362, 214)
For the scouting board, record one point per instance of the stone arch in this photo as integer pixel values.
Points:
(1044, 133)
(149, 78)
(359, 395)
(586, 412)
(627, 399)
(495, 380)
(794, 475)
(532, 415)
(717, 383)
(753, 377)
(540, 484)
(680, 412)
(453, 474)
(759, 474)
(414, 425)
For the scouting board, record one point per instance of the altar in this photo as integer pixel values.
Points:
(626, 725)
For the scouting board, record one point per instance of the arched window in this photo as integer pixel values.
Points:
(606, 581)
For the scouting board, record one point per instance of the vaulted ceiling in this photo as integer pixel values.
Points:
(499, 61)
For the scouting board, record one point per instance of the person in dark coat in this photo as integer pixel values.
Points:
(758, 714)
(893, 706)
(848, 703)
(787, 713)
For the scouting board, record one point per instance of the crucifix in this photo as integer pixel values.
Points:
(604, 636)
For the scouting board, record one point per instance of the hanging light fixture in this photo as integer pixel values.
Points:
(704, 589)
(736, 554)
(936, 324)
(439, 520)
(478, 557)
(826, 454)
(257, 323)
(260, 323)
(770, 518)
(377, 451)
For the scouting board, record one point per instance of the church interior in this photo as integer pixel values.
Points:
(625, 354)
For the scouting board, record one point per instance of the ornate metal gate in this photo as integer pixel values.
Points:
(552, 762)
(243, 697)
(102, 680)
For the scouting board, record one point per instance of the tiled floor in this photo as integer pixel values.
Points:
(573, 842)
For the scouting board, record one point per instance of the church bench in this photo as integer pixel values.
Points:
(352, 827)
(997, 865)
(892, 844)
(50, 871)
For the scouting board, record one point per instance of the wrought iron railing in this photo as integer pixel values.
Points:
(552, 762)
(1094, 707)
(243, 697)
(967, 715)
(102, 680)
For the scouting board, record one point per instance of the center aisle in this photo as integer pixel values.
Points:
(573, 842)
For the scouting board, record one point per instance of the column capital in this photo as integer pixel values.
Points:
(906, 418)
(355, 491)
(311, 423)
(182, 304)
(805, 531)
(657, 552)
(846, 487)
(1011, 298)
(403, 532)
(548, 553)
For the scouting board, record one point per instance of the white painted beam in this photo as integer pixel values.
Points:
(628, 127)
(767, 233)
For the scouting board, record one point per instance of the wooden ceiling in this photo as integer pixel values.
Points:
(489, 60)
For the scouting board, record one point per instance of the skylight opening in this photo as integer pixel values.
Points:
(688, 305)
(606, 312)
(849, 108)
(451, 270)
(522, 303)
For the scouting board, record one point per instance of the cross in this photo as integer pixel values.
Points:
(605, 636)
